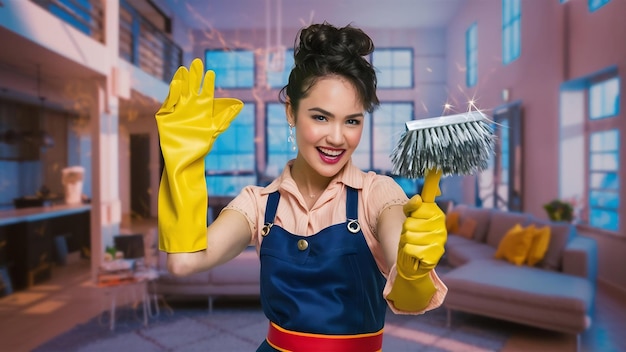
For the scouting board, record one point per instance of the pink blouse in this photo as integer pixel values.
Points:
(376, 194)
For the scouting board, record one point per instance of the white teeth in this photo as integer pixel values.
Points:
(331, 152)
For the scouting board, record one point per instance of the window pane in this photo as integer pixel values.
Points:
(361, 156)
(389, 124)
(277, 133)
(233, 69)
(605, 141)
(604, 180)
(604, 186)
(233, 150)
(280, 79)
(511, 30)
(228, 185)
(604, 219)
(394, 66)
(471, 55)
(604, 99)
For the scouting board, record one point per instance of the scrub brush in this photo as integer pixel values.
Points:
(458, 144)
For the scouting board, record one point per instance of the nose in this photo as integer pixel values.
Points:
(335, 134)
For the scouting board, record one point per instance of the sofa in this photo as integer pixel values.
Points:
(237, 277)
(556, 293)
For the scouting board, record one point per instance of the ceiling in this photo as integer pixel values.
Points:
(253, 14)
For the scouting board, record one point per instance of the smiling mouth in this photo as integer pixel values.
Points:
(330, 155)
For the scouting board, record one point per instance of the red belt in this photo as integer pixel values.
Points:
(292, 341)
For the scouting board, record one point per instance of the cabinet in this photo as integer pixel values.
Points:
(30, 242)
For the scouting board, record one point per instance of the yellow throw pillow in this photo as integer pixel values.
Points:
(467, 228)
(514, 245)
(539, 244)
(452, 222)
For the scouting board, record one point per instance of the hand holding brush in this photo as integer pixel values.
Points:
(457, 144)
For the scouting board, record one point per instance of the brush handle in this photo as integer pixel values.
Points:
(431, 185)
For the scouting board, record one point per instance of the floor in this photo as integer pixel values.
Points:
(30, 317)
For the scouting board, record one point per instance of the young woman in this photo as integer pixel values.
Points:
(337, 245)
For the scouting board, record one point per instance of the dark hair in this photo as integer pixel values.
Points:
(325, 50)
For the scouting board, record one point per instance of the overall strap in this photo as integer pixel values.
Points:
(271, 207)
(352, 204)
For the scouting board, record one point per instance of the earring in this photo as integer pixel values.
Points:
(292, 139)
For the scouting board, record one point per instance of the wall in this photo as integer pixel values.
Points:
(560, 42)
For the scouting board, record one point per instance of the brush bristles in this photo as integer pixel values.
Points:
(455, 149)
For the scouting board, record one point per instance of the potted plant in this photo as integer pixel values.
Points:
(559, 210)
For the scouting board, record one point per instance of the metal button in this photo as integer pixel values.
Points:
(303, 245)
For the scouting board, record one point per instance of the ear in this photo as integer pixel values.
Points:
(291, 118)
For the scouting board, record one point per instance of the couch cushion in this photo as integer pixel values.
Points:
(501, 222)
(520, 293)
(456, 240)
(244, 269)
(452, 221)
(539, 244)
(560, 234)
(467, 228)
(460, 254)
(480, 215)
(515, 244)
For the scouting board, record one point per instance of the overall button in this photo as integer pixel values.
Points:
(303, 245)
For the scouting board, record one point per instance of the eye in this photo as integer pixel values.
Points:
(355, 122)
(319, 117)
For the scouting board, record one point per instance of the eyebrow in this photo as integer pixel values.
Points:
(328, 113)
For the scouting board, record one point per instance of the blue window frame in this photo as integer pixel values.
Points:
(279, 79)
(511, 30)
(604, 99)
(471, 55)
(395, 67)
(387, 127)
(230, 165)
(604, 180)
(279, 150)
(362, 156)
(596, 4)
(75, 12)
(233, 69)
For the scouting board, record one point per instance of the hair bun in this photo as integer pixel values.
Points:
(326, 39)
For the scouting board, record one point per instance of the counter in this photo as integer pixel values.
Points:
(8, 217)
(32, 240)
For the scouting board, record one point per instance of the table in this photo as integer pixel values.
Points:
(135, 289)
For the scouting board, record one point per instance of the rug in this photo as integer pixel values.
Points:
(239, 326)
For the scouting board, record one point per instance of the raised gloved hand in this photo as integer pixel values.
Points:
(420, 249)
(189, 121)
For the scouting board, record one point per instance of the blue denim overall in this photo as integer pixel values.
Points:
(327, 283)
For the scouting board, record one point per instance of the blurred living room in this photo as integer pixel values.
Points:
(80, 165)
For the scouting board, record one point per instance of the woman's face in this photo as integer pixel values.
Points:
(329, 123)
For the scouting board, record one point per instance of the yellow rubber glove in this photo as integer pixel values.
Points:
(189, 121)
(421, 247)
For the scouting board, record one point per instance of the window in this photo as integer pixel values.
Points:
(593, 183)
(511, 30)
(394, 66)
(387, 127)
(281, 78)
(604, 99)
(279, 149)
(230, 165)
(362, 156)
(604, 180)
(233, 69)
(471, 55)
(596, 4)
